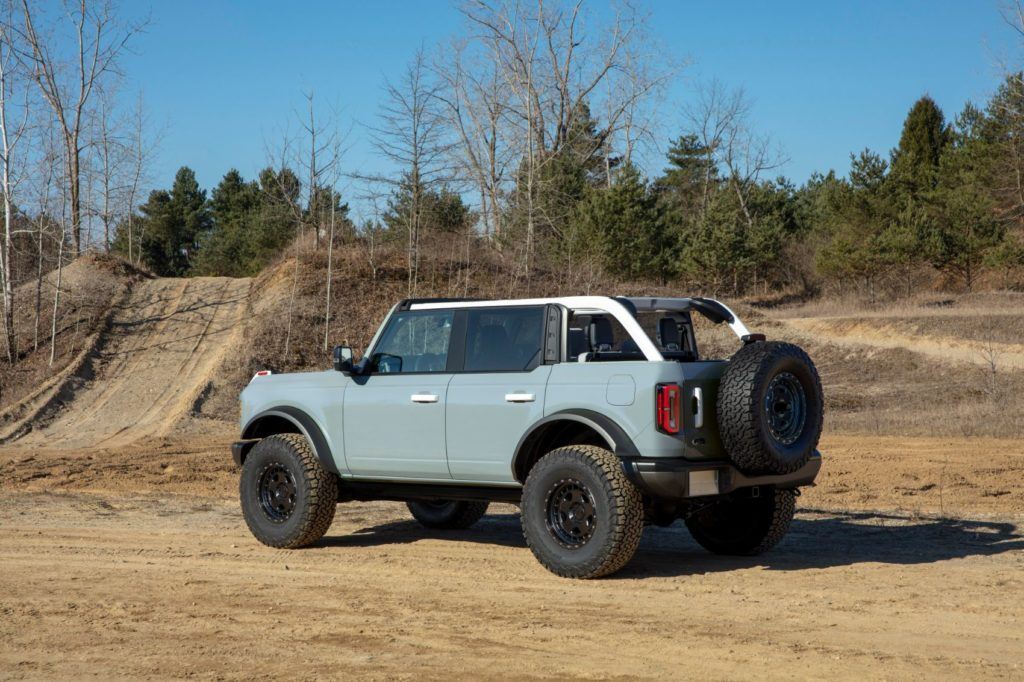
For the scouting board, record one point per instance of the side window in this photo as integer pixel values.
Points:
(415, 341)
(504, 339)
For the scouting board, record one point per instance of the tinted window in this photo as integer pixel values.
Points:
(414, 341)
(504, 339)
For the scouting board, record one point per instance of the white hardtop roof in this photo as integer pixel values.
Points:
(604, 305)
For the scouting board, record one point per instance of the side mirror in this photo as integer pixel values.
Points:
(343, 358)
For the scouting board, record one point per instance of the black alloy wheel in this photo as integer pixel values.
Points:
(277, 492)
(571, 517)
(785, 407)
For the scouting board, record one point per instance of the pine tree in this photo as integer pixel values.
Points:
(627, 228)
(915, 161)
(176, 222)
(963, 230)
(230, 248)
(691, 177)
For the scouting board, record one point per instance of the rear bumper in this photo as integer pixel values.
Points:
(678, 479)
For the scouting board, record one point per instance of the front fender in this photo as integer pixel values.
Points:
(269, 422)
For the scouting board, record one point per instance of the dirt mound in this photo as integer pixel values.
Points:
(153, 363)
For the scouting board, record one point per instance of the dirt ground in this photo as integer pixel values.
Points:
(123, 552)
(136, 562)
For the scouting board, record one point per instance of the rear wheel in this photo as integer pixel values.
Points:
(288, 498)
(581, 516)
(447, 514)
(743, 526)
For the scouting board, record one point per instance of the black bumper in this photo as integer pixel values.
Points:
(670, 479)
(239, 449)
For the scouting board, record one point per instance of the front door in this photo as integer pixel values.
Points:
(499, 394)
(394, 416)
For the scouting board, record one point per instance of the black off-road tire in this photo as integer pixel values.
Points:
(743, 526)
(304, 511)
(745, 420)
(447, 514)
(584, 482)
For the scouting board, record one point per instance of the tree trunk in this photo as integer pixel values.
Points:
(39, 290)
(74, 188)
(56, 300)
(330, 270)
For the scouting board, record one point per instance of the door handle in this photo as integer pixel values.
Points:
(424, 398)
(520, 397)
(698, 408)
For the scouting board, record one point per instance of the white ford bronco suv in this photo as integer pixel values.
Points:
(595, 414)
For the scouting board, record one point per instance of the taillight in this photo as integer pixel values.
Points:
(667, 409)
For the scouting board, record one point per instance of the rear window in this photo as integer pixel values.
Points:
(504, 339)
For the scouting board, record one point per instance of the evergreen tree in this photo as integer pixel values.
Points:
(686, 184)
(862, 239)
(963, 228)
(442, 211)
(175, 222)
(915, 161)
(230, 246)
(626, 226)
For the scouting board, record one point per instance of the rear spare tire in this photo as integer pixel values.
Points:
(770, 408)
(447, 514)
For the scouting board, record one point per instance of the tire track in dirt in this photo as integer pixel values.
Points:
(946, 349)
(165, 344)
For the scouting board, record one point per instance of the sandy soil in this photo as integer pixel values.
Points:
(135, 561)
(123, 553)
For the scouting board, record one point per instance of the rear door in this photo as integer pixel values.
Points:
(500, 391)
(394, 416)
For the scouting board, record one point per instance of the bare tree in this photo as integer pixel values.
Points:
(60, 268)
(336, 154)
(321, 162)
(69, 88)
(139, 156)
(49, 162)
(110, 150)
(475, 101)
(10, 135)
(555, 70)
(413, 136)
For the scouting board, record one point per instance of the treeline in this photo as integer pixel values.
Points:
(947, 201)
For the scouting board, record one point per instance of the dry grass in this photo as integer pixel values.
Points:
(885, 391)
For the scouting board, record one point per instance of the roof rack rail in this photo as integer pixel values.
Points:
(407, 303)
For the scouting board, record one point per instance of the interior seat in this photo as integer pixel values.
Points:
(602, 337)
(668, 334)
(576, 343)
(491, 348)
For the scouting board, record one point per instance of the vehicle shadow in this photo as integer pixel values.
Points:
(818, 538)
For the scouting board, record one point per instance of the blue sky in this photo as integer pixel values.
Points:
(826, 78)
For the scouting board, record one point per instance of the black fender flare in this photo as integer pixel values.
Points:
(614, 435)
(303, 423)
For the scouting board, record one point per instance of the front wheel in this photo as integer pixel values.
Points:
(743, 526)
(582, 518)
(288, 498)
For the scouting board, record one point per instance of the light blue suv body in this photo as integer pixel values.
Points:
(463, 397)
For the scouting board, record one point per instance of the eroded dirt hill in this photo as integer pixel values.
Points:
(164, 343)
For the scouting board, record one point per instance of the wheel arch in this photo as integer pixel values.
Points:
(569, 427)
(287, 419)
